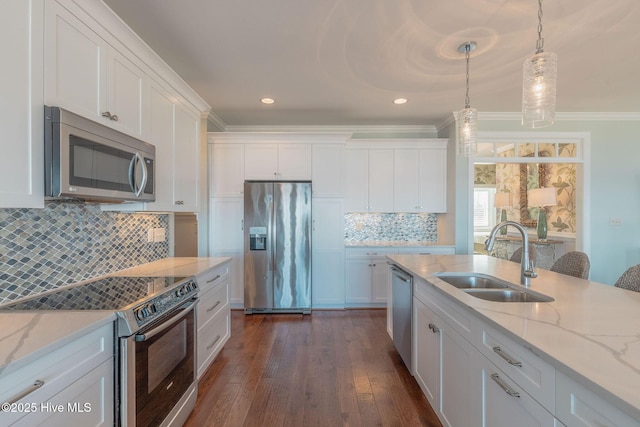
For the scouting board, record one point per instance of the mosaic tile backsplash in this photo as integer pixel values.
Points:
(404, 227)
(65, 243)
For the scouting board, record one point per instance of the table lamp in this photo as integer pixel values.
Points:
(541, 197)
(502, 200)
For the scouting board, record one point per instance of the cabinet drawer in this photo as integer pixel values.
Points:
(448, 311)
(576, 406)
(428, 250)
(58, 370)
(209, 278)
(503, 401)
(369, 252)
(521, 365)
(212, 301)
(211, 337)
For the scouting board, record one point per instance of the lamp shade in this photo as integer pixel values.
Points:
(502, 199)
(542, 197)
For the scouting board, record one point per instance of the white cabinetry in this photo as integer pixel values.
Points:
(175, 131)
(226, 167)
(213, 314)
(443, 363)
(327, 170)
(328, 253)
(285, 161)
(86, 75)
(502, 400)
(419, 180)
(226, 240)
(396, 176)
(576, 406)
(21, 110)
(369, 180)
(78, 376)
(367, 275)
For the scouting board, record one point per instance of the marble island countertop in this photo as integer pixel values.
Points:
(590, 331)
(27, 335)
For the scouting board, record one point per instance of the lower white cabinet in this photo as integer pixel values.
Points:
(576, 406)
(502, 400)
(441, 353)
(367, 276)
(214, 314)
(75, 385)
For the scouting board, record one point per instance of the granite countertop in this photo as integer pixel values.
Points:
(591, 331)
(27, 335)
(391, 243)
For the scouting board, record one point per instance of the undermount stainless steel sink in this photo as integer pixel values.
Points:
(491, 288)
(473, 281)
(507, 295)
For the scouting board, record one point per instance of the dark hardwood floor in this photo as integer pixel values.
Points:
(332, 368)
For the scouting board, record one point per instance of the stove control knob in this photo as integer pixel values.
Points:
(152, 308)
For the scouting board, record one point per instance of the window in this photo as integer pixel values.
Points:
(484, 214)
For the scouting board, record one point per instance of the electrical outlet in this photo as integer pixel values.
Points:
(150, 235)
(615, 221)
(159, 234)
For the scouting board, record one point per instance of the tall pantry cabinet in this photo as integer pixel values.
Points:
(236, 157)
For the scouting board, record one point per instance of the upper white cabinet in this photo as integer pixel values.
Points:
(175, 131)
(21, 111)
(280, 162)
(419, 180)
(186, 170)
(86, 75)
(327, 170)
(369, 180)
(396, 176)
(226, 164)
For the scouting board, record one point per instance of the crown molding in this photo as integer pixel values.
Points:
(565, 116)
(217, 124)
(355, 129)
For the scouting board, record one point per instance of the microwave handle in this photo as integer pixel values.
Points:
(135, 160)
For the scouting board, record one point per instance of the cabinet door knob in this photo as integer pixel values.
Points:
(114, 117)
(434, 328)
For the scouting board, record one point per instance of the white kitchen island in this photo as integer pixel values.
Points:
(579, 355)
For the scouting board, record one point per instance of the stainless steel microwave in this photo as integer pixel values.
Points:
(90, 161)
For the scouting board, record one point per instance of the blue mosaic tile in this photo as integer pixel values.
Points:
(65, 243)
(405, 227)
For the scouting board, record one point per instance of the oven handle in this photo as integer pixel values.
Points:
(155, 331)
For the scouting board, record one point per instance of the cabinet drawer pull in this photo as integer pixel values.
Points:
(214, 279)
(210, 346)
(434, 328)
(36, 385)
(212, 308)
(509, 360)
(372, 253)
(503, 386)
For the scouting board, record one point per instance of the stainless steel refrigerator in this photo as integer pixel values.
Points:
(277, 247)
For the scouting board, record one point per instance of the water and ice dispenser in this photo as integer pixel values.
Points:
(258, 238)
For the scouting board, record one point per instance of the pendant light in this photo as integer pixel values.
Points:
(468, 117)
(539, 84)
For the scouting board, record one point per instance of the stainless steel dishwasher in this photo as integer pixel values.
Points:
(402, 309)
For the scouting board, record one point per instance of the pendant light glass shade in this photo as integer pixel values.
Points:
(467, 131)
(540, 73)
(467, 119)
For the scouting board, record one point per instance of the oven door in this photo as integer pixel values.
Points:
(159, 369)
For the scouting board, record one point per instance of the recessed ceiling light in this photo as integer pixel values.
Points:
(267, 101)
(399, 101)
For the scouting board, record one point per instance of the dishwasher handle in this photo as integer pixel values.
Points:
(400, 274)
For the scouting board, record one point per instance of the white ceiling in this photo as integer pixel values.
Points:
(342, 62)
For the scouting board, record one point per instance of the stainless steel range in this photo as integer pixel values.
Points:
(156, 337)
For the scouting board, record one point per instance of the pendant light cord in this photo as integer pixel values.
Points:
(540, 42)
(467, 102)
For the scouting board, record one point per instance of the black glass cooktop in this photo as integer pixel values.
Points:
(111, 293)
